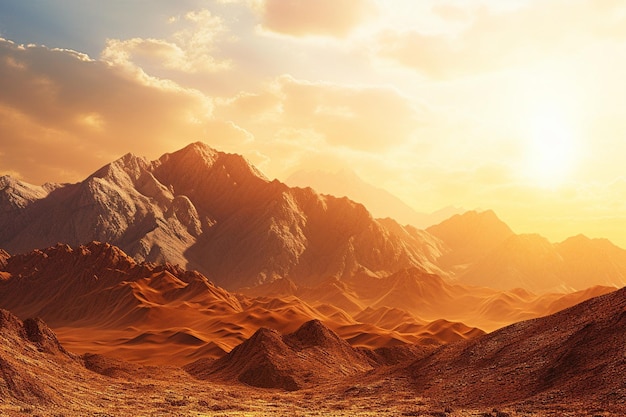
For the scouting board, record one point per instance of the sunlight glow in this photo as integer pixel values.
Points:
(552, 148)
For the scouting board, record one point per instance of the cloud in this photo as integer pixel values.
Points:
(188, 50)
(496, 39)
(62, 114)
(370, 119)
(335, 18)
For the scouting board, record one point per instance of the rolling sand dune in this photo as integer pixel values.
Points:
(570, 363)
(416, 297)
(99, 300)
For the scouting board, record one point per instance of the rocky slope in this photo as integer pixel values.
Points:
(574, 356)
(23, 345)
(310, 356)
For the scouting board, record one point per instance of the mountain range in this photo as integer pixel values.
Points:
(214, 212)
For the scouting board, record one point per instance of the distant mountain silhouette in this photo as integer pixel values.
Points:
(469, 236)
(535, 264)
(479, 249)
(381, 203)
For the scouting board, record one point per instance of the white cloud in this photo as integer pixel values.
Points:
(189, 49)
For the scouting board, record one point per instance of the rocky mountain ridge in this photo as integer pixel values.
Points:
(214, 212)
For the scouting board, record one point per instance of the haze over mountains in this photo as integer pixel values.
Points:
(381, 203)
(215, 213)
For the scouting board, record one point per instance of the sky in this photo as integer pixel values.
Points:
(513, 105)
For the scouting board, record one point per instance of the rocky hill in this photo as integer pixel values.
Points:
(574, 356)
(22, 345)
(310, 356)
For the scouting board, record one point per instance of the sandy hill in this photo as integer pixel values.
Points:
(99, 285)
(571, 363)
(100, 300)
(574, 356)
(310, 356)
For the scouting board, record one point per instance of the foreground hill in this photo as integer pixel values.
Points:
(27, 350)
(574, 356)
(570, 363)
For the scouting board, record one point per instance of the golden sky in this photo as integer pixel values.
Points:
(513, 105)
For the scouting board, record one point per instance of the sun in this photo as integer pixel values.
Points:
(551, 148)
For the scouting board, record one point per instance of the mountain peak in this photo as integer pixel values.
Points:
(6, 180)
(199, 159)
(470, 235)
(472, 221)
(19, 194)
(313, 333)
(127, 167)
(200, 149)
